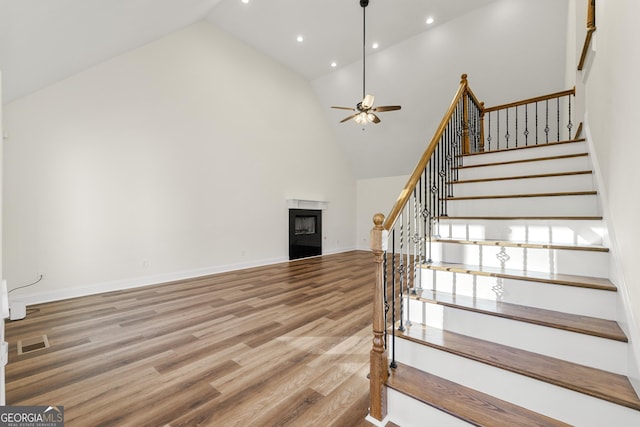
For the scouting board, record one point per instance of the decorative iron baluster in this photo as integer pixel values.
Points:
(416, 241)
(526, 125)
(408, 265)
(516, 126)
(420, 234)
(489, 137)
(558, 119)
(385, 297)
(498, 130)
(506, 135)
(536, 123)
(569, 125)
(426, 214)
(401, 270)
(546, 127)
(393, 298)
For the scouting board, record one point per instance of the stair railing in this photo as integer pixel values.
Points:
(533, 121)
(402, 241)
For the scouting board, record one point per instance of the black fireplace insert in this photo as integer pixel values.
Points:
(305, 233)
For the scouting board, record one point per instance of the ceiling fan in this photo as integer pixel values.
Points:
(364, 110)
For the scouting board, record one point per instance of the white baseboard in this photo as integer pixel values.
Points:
(137, 282)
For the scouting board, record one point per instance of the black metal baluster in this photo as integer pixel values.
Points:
(546, 128)
(516, 125)
(526, 125)
(569, 125)
(385, 295)
(558, 119)
(450, 160)
(536, 123)
(489, 131)
(498, 130)
(393, 298)
(401, 269)
(506, 135)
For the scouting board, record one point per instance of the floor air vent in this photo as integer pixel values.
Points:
(33, 344)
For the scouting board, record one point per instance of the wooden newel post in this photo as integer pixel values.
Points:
(378, 357)
(466, 147)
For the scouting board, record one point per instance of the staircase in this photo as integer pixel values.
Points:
(514, 321)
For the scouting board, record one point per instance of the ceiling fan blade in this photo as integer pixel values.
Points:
(367, 102)
(387, 108)
(374, 118)
(344, 108)
(348, 118)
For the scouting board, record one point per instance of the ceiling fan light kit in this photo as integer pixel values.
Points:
(365, 111)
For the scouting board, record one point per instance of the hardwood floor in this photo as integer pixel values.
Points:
(286, 344)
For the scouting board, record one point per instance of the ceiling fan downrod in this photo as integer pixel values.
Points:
(364, 4)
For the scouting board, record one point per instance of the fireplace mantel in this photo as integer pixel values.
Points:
(306, 204)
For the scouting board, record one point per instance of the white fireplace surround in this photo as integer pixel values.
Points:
(306, 204)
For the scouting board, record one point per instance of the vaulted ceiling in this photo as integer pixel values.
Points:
(45, 41)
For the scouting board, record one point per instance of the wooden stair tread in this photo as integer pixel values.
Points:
(583, 379)
(530, 245)
(518, 196)
(480, 153)
(587, 325)
(535, 276)
(525, 218)
(536, 159)
(507, 178)
(462, 402)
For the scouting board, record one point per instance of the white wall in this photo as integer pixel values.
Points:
(375, 195)
(612, 91)
(172, 160)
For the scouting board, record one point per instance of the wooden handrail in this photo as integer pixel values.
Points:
(591, 28)
(415, 177)
(532, 100)
(591, 14)
(585, 47)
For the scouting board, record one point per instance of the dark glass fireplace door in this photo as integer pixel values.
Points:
(305, 233)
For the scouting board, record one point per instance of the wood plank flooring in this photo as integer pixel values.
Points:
(286, 344)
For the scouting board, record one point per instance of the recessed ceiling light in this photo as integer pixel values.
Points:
(375, 45)
(430, 20)
(245, 1)
(334, 64)
(300, 39)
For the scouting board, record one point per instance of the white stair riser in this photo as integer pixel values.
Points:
(571, 164)
(550, 400)
(582, 182)
(568, 299)
(582, 205)
(540, 231)
(559, 261)
(406, 411)
(575, 347)
(529, 153)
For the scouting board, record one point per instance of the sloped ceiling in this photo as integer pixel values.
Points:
(45, 41)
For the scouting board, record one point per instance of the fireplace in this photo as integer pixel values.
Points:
(305, 233)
